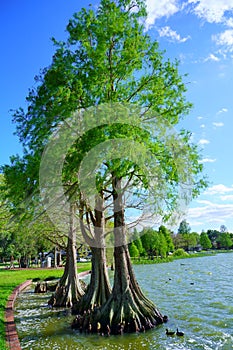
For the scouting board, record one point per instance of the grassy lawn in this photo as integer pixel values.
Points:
(9, 279)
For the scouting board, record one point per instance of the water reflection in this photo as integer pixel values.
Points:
(196, 294)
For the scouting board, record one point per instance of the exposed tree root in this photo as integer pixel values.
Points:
(127, 310)
(119, 315)
(69, 290)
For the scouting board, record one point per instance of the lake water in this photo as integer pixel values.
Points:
(196, 294)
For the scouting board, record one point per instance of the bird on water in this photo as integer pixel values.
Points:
(169, 332)
(180, 334)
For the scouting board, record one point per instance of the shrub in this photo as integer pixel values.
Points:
(180, 252)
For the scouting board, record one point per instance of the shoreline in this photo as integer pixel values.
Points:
(12, 339)
(157, 260)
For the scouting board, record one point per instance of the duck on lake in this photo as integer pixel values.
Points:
(180, 334)
(169, 332)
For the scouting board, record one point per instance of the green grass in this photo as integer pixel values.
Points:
(157, 260)
(140, 261)
(9, 279)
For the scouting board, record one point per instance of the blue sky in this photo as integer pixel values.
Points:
(198, 33)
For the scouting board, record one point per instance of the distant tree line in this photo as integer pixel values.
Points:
(20, 242)
(153, 243)
(22, 238)
(23, 242)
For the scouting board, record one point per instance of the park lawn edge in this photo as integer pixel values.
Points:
(10, 279)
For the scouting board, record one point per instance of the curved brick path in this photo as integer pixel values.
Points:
(11, 332)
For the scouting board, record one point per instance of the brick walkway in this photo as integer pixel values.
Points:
(11, 332)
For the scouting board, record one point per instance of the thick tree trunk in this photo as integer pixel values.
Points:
(99, 288)
(127, 310)
(69, 290)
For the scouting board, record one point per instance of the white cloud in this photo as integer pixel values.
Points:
(211, 213)
(202, 201)
(208, 160)
(223, 110)
(218, 189)
(217, 125)
(199, 118)
(172, 34)
(157, 9)
(228, 197)
(229, 22)
(212, 57)
(202, 126)
(224, 39)
(203, 142)
(212, 11)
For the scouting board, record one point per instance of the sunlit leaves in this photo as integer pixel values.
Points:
(108, 58)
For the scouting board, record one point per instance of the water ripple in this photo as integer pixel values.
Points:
(196, 295)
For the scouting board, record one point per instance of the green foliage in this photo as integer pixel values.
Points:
(162, 246)
(225, 240)
(147, 239)
(167, 234)
(213, 236)
(205, 241)
(197, 237)
(138, 244)
(184, 227)
(156, 243)
(149, 261)
(190, 240)
(180, 253)
(220, 239)
(20, 236)
(7, 244)
(185, 238)
(109, 60)
(133, 250)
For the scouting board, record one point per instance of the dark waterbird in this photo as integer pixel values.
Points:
(180, 334)
(169, 332)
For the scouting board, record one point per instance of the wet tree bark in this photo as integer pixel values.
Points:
(69, 290)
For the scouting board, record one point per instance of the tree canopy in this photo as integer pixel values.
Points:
(98, 136)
